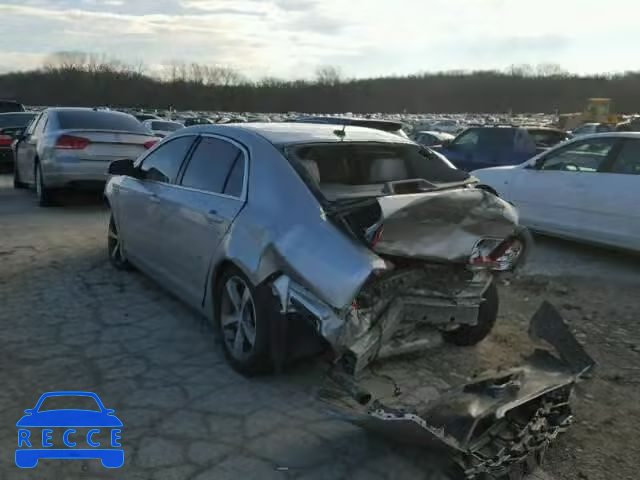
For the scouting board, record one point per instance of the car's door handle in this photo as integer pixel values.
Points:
(213, 217)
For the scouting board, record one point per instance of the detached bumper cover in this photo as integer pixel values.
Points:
(499, 420)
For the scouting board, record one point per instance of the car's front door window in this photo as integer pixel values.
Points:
(628, 160)
(163, 164)
(586, 156)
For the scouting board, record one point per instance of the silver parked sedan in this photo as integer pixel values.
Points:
(345, 229)
(73, 147)
(296, 237)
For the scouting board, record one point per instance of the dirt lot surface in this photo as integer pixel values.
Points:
(70, 322)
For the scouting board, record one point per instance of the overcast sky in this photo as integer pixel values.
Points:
(290, 38)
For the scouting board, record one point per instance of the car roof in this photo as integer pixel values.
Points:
(543, 129)
(17, 113)
(289, 133)
(386, 125)
(635, 135)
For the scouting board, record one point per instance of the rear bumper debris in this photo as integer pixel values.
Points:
(500, 423)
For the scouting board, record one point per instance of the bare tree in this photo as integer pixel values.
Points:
(520, 70)
(328, 75)
(550, 70)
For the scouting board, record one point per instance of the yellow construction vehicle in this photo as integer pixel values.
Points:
(597, 110)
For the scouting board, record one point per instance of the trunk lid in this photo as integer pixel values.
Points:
(442, 225)
(109, 145)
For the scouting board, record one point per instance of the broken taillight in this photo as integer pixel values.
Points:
(495, 254)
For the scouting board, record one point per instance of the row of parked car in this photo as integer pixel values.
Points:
(583, 188)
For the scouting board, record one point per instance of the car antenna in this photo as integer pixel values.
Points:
(341, 133)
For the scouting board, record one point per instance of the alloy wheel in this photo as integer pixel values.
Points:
(238, 318)
(114, 245)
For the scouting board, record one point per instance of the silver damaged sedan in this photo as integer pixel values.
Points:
(294, 236)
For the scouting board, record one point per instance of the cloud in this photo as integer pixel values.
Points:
(289, 38)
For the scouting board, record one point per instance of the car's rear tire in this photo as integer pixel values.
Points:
(243, 314)
(45, 195)
(117, 257)
(468, 335)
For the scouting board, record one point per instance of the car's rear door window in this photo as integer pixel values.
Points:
(163, 164)
(216, 166)
(628, 159)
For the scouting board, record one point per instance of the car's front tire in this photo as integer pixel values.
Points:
(468, 335)
(115, 250)
(243, 314)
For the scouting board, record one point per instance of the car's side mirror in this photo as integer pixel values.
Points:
(123, 167)
(446, 143)
(29, 410)
(109, 411)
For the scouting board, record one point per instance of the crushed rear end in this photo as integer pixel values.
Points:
(496, 425)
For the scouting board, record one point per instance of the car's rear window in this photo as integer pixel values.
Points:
(92, 120)
(65, 402)
(9, 106)
(495, 138)
(340, 168)
(16, 119)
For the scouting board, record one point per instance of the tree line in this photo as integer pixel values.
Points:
(81, 79)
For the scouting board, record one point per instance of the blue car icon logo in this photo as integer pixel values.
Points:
(81, 433)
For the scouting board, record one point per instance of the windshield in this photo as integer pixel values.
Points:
(66, 402)
(16, 119)
(341, 170)
(93, 120)
(165, 126)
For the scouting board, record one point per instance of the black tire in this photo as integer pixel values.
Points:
(16, 178)
(45, 195)
(117, 257)
(467, 335)
(245, 357)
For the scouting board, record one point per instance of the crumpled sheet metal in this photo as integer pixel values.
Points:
(452, 221)
(450, 420)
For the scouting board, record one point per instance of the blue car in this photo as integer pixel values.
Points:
(483, 147)
(35, 430)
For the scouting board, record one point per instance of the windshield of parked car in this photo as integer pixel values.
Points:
(16, 119)
(547, 138)
(485, 138)
(165, 126)
(65, 402)
(362, 169)
(92, 120)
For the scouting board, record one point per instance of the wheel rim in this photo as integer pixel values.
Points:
(238, 318)
(114, 244)
(38, 182)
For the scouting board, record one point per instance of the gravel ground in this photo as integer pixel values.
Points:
(72, 322)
